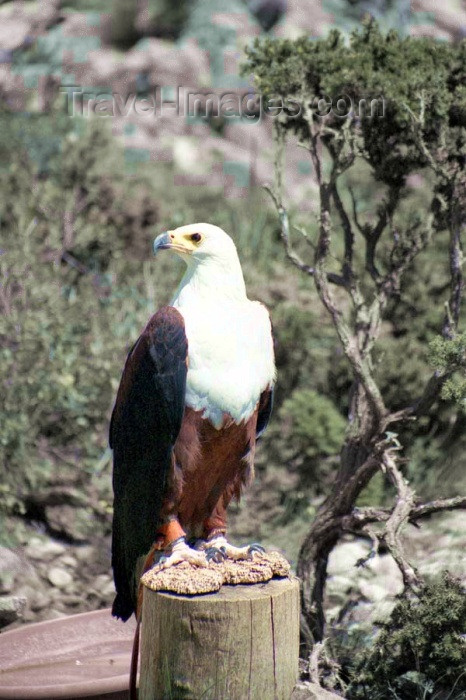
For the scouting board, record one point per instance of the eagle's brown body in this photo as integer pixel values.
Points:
(213, 466)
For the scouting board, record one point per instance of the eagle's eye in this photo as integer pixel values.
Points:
(196, 237)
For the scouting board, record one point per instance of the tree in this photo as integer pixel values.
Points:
(416, 125)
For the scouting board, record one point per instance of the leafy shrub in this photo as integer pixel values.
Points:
(420, 650)
(67, 316)
(311, 424)
(307, 435)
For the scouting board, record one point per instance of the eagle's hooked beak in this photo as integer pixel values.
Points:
(162, 242)
(173, 240)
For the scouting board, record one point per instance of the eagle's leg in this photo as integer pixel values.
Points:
(174, 549)
(214, 541)
(171, 538)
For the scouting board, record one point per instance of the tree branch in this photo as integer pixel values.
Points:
(452, 314)
(398, 517)
(360, 517)
(359, 226)
(291, 254)
(347, 267)
(372, 235)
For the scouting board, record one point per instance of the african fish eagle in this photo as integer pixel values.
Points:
(195, 394)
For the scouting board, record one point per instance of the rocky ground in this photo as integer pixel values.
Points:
(44, 579)
(236, 152)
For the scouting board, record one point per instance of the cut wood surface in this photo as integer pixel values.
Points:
(239, 643)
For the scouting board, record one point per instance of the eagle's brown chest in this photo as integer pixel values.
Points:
(211, 465)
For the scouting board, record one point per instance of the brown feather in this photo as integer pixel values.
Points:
(214, 465)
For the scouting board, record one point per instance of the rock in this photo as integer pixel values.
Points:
(103, 586)
(43, 549)
(72, 523)
(84, 553)
(343, 558)
(372, 591)
(443, 22)
(60, 578)
(338, 584)
(10, 565)
(11, 608)
(71, 600)
(108, 590)
(41, 601)
(386, 572)
(312, 691)
(69, 561)
(13, 34)
(20, 24)
(382, 610)
(16, 574)
(304, 17)
(382, 565)
(55, 614)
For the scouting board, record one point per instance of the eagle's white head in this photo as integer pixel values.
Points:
(230, 348)
(211, 258)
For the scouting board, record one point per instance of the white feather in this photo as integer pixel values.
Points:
(230, 347)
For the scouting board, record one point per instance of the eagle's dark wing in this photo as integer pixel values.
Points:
(265, 411)
(265, 402)
(145, 423)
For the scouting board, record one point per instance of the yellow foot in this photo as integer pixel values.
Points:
(219, 548)
(177, 552)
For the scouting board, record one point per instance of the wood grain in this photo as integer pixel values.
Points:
(240, 643)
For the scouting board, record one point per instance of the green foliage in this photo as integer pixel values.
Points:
(447, 354)
(402, 381)
(417, 77)
(309, 426)
(374, 494)
(420, 649)
(64, 327)
(306, 435)
(85, 206)
(311, 423)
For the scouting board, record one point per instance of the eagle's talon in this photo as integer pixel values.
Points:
(255, 548)
(229, 551)
(215, 554)
(179, 552)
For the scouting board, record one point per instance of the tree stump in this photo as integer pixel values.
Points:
(240, 642)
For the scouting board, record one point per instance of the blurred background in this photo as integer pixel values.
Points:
(86, 182)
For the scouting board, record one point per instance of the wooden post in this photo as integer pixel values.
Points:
(238, 643)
